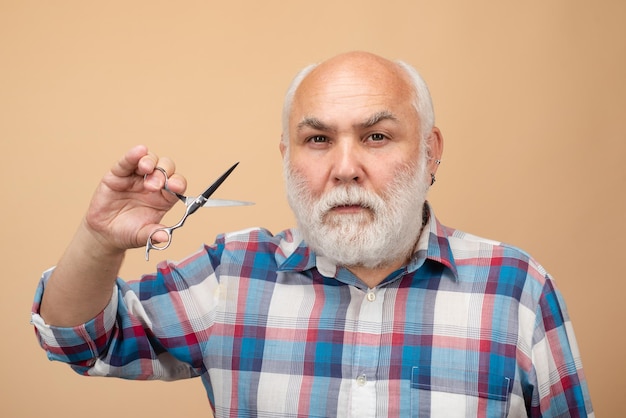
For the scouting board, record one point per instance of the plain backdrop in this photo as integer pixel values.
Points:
(530, 97)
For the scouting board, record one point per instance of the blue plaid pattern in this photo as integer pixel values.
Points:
(469, 328)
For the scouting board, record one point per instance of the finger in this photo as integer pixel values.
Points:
(162, 170)
(166, 164)
(129, 162)
(158, 236)
(177, 183)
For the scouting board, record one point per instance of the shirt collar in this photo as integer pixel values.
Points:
(433, 245)
(298, 258)
(303, 258)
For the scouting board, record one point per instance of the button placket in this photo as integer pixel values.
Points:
(367, 352)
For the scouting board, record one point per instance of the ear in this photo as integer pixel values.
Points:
(282, 146)
(435, 149)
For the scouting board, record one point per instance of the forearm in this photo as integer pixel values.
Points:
(82, 282)
(128, 203)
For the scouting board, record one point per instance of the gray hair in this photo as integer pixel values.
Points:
(422, 103)
(288, 102)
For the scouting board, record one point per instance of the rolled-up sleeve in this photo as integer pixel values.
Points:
(80, 345)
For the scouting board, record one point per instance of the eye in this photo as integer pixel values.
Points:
(318, 139)
(377, 137)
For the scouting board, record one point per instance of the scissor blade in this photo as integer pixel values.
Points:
(200, 200)
(213, 203)
(212, 188)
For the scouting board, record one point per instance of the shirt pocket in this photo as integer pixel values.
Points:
(450, 393)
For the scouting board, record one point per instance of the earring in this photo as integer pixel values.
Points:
(432, 175)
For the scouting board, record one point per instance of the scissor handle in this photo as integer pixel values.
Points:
(168, 230)
(181, 197)
(161, 246)
(192, 204)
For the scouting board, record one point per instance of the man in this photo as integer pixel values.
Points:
(371, 307)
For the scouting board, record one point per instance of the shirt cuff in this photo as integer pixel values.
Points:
(81, 344)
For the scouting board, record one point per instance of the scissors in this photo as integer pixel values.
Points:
(192, 204)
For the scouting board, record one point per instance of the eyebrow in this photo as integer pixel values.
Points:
(315, 123)
(378, 117)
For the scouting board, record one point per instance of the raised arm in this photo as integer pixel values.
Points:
(127, 205)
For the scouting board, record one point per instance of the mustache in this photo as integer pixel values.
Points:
(349, 196)
(299, 195)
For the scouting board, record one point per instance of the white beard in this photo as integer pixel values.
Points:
(386, 232)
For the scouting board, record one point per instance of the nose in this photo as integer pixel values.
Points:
(347, 164)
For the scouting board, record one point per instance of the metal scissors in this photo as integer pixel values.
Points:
(192, 204)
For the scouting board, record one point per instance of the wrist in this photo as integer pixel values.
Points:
(95, 244)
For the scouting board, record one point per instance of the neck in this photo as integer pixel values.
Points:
(372, 277)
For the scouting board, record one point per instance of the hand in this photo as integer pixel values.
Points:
(130, 200)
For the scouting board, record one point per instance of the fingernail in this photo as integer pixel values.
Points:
(153, 181)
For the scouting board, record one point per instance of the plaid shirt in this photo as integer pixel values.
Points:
(469, 328)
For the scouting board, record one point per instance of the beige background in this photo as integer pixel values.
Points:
(530, 97)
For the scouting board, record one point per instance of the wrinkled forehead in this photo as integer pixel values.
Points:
(354, 83)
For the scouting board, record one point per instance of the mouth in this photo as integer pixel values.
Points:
(348, 209)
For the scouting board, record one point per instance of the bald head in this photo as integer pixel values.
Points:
(358, 64)
(354, 66)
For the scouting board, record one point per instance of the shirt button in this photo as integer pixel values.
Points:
(371, 296)
(361, 380)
